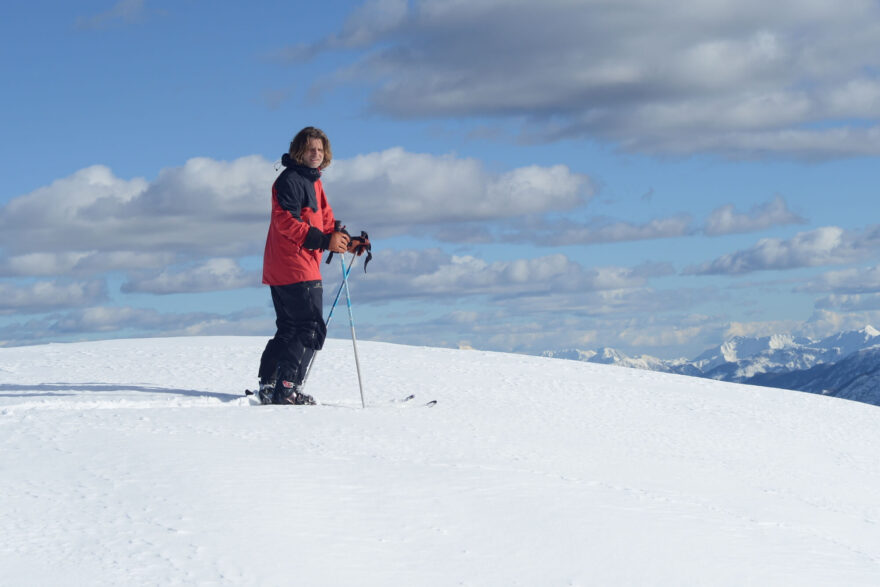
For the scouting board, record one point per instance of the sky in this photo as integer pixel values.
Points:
(652, 176)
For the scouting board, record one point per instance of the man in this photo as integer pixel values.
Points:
(301, 228)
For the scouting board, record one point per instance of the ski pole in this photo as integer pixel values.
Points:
(353, 337)
(329, 318)
(339, 291)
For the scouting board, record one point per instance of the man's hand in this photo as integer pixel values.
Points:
(338, 242)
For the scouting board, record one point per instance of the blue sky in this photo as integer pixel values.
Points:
(650, 176)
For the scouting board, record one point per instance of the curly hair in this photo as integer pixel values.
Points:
(300, 143)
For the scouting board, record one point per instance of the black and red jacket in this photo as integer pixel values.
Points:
(300, 229)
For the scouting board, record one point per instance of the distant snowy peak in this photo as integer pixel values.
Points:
(609, 356)
(743, 357)
(852, 341)
(769, 360)
(855, 377)
(742, 348)
(570, 354)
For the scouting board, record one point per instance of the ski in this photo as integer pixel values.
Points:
(253, 397)
(409, 399)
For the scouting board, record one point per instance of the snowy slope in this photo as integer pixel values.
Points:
(136, 462)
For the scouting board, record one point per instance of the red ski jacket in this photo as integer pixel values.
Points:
(300, 229)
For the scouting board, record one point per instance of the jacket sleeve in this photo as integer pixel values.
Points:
(327, 214)
(291, 199)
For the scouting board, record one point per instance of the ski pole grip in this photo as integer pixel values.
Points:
(337, 226)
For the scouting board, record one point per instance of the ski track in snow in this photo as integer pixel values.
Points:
(140, 462)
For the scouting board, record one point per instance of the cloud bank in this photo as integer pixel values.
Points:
(827, 245)
(742, 79)
(201, 227)
(94, 221)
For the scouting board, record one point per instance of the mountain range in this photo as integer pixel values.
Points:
(845, 365)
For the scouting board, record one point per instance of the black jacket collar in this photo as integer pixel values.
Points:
(307, 172)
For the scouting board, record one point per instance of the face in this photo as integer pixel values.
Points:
(314, 155)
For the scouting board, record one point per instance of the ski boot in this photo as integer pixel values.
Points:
(288, 393)
(267, 391)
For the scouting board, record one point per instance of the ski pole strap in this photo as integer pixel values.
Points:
(360, 245)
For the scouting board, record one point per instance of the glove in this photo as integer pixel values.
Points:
(358, 245)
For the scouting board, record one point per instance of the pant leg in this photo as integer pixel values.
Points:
(301, 328)
(269, 362)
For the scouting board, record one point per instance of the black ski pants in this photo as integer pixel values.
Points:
(301, 331)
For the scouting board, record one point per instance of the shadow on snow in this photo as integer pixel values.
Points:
(59, 389)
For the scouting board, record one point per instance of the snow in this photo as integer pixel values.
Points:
(847, 343)
(138, 462)
(741, 348)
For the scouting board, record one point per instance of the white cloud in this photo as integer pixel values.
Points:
(850, 303)
(726, 220)
(53, 218)
(828, 245)
(438, 275)
(643, 338)
(41, 264)
(205, 206)
(758, 329)
(846, 281)
(46, 296)
(211, 275)
(80, 263)
(632, 299)
(94, 221)
(101, 319)
(739, 78)
(566, 231)
(392, 190)
(602, 230)
(547, 325)
(119, 320)
(824, 322)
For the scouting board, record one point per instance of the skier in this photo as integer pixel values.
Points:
(301, 228)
